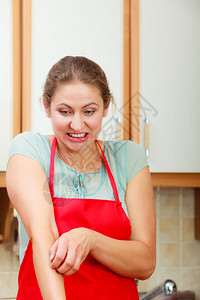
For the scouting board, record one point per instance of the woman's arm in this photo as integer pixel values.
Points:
(134, 258)
(28, 191)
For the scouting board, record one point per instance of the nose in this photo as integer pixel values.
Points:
(77, 122)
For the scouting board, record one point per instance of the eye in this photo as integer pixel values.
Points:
(89, 112)
(65, 112)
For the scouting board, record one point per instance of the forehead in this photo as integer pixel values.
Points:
(76, 92)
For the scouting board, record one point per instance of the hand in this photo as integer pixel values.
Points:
(70, 250)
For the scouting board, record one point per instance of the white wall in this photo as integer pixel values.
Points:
(5, 80)
(83, 27)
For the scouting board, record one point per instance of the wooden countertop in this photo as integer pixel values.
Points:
(158, 179)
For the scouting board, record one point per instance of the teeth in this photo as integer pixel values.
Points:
(77, 135)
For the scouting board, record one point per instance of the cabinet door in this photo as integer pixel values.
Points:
(87, 28)
(169, 83)
(5, 81)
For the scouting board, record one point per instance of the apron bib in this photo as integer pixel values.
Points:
(92, 281)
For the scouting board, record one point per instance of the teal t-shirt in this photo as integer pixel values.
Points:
(125, 159)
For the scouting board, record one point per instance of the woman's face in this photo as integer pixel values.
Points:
(76, 112)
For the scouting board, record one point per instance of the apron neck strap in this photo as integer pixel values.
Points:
(112, 180)
(51, 170)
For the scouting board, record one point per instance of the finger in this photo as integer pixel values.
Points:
(70, 260)
(53, 250)
(74, 269)
(80, 257)
(62, 249)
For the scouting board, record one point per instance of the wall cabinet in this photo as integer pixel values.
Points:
(6, 111)
(87, 28)
(160, 52)
(161, 72)
(169, 84)
(5, 80)
(91, 28)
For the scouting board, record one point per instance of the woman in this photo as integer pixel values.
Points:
(72, 191)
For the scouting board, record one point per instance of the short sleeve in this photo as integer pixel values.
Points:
(137, 160)
(28, 144)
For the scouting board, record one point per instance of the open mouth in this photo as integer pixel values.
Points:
(77, 135)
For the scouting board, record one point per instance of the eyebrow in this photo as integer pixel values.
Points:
(91, 103)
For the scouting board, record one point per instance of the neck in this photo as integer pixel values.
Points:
(88, 159)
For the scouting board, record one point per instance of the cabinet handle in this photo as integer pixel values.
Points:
(146, 135)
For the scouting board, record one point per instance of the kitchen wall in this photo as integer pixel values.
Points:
(178, 253)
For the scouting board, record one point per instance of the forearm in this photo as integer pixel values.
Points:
(50, 282)
(27, 177)
(127, 258)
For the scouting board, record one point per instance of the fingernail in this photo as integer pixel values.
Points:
(51, 256)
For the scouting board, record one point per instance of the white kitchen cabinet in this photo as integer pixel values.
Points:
(83, 27)
(5, 80)
(170, 83)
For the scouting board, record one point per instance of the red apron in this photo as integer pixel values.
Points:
(92, 281)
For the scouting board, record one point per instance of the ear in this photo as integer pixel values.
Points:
(47, 108)
(105, 110)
